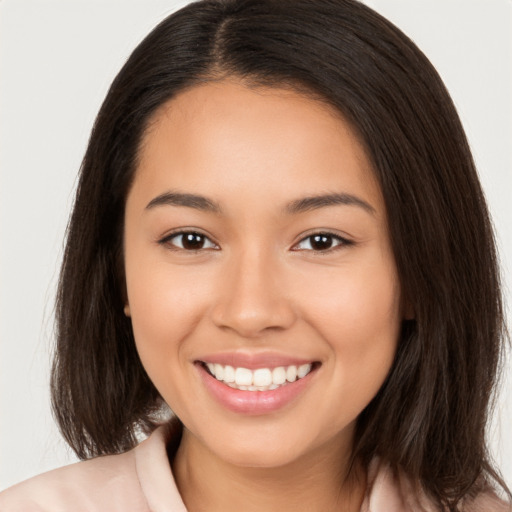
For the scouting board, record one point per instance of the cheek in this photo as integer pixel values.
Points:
(360, 303)
(166, 305)
(358, 315)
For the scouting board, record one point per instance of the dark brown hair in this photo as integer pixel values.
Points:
(429, 418)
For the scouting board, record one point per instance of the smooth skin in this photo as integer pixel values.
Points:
(255, 281)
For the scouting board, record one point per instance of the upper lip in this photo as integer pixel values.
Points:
(253, 361)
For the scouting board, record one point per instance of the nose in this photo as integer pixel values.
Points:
(254, 297)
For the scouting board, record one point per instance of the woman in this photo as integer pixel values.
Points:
(280, 234)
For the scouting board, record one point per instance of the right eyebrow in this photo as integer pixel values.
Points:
(189, 200)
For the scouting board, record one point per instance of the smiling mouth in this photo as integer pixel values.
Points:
(260, 379)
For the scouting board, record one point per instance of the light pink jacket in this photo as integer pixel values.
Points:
(141, 481)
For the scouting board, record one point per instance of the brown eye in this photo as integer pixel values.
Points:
(321, 242)
(189, 241)
(192, 241)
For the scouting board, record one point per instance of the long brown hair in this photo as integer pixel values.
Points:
(429, 418)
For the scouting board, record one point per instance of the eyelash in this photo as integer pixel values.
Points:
(167, 241)
(342, 242)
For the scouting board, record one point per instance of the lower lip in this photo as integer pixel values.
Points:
(253, 402)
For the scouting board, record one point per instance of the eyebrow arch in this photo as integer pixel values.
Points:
(322, 201)
(189, 200)
(298, 206)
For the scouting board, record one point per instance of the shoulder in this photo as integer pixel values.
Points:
(104, 483)
(390, 491)
(139, 480)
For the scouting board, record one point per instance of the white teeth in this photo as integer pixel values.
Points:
(279, 375)
(303, 370)
(291, 373)
(219, 371)
(229, 374)
(243, 377)
(261, 379)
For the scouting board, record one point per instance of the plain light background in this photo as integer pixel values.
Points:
(57, 60)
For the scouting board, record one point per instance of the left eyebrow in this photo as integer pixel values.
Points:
(321, 201)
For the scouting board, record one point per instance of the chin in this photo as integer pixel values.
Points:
(263, 446)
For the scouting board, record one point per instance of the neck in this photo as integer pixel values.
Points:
(320, 481)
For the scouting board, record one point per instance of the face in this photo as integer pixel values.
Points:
(261, 284)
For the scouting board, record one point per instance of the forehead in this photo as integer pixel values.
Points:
(223, 137)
